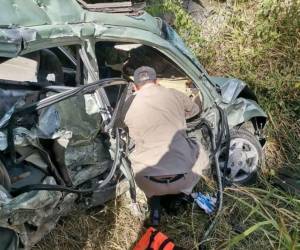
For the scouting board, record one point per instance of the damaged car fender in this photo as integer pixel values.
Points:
(239, 101)
(243, 110)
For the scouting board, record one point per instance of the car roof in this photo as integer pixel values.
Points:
(19, 17)
(29, 13)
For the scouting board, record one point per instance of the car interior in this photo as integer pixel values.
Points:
(62, 66)
(122, 59)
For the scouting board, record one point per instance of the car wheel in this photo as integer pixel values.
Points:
(245, 157)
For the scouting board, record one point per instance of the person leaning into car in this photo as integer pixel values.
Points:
(165, 161)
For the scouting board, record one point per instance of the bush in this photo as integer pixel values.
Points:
(259, 44)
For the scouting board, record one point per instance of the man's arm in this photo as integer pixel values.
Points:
(125, 108)
(191, 108)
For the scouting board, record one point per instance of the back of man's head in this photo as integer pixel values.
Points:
(144, 75)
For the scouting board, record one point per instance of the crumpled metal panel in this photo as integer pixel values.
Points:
(9, 98)
(20, 12)
(93, 153)
(9, 101)
(144, 21)
(47, 129)
(13, 40)
(89, 172)
(242, 110)
(74, 115)
(75, 124)
(71, 11)
(36, 208)
(239, 110)
(10, 42)
(28, 201)
(48, 23)
(230, 87)
(33, 208)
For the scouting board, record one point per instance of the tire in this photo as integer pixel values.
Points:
(245, 158)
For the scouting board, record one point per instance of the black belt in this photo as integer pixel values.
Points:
(165, 180)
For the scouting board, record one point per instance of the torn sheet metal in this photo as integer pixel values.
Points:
(5, 119)
(24, 137)
(5, 197)
(242, 110)
(239, 109)
(93, 153)
(9, 99)
(14, 40)
(36, 208)
(71, 11)
(19, 28)
(19, 12)
(32, 156)
(84, 126)
(89, 172)
(48, 123)
(230, 87)
(29, 201)
(77, 141)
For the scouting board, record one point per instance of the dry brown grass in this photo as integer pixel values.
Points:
(111, 227)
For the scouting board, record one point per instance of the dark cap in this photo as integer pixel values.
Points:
(144, 74)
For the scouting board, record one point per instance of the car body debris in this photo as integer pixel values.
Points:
(65, 72)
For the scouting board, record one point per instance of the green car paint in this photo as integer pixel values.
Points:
(30, 25)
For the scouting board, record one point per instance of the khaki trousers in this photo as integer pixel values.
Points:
(183, 185)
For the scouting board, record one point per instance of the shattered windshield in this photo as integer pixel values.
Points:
(171, 36)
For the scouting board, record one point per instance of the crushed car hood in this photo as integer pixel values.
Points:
(18, 26)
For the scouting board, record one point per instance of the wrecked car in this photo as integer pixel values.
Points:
(65, 72)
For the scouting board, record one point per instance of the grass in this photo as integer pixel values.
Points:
(260, 44)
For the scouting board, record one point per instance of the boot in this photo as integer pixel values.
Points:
(175, 204)
(155, 211)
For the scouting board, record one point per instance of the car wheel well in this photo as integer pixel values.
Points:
(247, 93)
(255, 127)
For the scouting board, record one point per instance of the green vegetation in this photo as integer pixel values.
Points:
(259, 44)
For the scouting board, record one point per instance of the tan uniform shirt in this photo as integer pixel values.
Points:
(157, 122)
